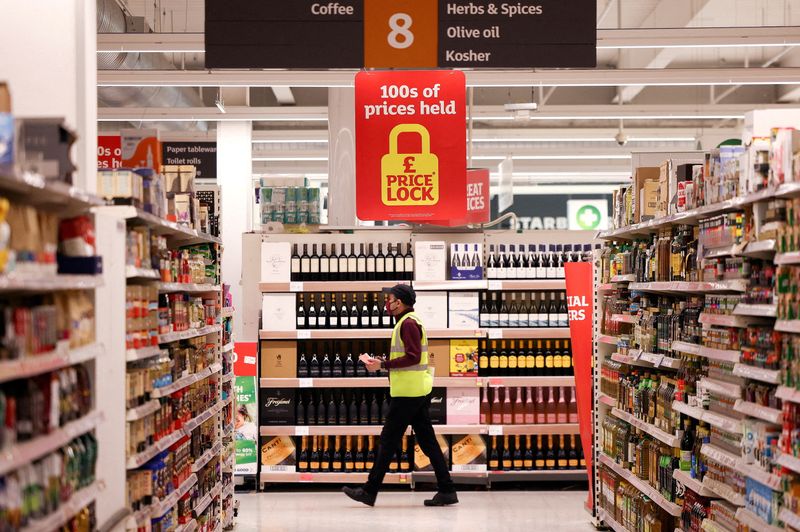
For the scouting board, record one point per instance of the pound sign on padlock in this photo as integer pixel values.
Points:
(410, 178)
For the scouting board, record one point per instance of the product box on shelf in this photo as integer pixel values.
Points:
(430, 261)
(439, 357)
(644, 176)
(463, 358)
(279, 312)
(275, 262)
(421, 460)
(466, 262)
(278, 454)
(469, 453)
(279, 359)
(649, 201)
(663, 189)
(463, 310)
(463, 406)
(43, 147)
(6, 129)
(122, 186)
(431, 307)
(179, 179)
(438, 408)
(762, 500)
(277, 406)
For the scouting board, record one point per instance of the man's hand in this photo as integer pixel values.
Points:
(372, 364)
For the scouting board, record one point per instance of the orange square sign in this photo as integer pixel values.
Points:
(400, 34)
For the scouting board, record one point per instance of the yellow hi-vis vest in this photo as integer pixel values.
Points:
(412, 381)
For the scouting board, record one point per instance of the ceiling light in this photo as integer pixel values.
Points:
(288, 159)
(291, 141)
(550, 157)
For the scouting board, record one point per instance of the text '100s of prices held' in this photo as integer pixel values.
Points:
(421, 107)
(509, 10)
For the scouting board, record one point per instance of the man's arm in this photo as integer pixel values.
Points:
(412, 338)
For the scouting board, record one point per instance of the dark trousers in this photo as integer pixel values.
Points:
(405, 411)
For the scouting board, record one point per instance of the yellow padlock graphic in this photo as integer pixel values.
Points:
(410, 178)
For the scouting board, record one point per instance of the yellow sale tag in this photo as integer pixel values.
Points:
(410, 178)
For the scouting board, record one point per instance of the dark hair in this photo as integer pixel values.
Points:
(243, 411)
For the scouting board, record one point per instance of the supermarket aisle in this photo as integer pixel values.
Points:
(554, 511)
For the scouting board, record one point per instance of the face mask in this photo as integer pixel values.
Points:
(388, 307)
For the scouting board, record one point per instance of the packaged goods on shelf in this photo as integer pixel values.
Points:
(520, 358)
(546, 262)
(518, 453)
(626, 505)
(466, 263)
(468, 453)
(6, 130)
(531, 309)
(331, 406)
(463, 358)
(343, 264)
(278, 453)
(43, 147)
(357, 310)
(289, 205)
(542, 405)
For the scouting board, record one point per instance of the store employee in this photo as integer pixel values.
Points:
(410, 385)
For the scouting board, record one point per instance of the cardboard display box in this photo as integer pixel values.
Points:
(431, 307)
(438, 408)
(422, 462)
(278, 453)
(463, 358)
(276, 262)
(463, 406)
(279, 312)
(645, 176)
(279, 359)
(277, 406)
(439, 357)
(468, 453)
(463, 310)
(430, 261)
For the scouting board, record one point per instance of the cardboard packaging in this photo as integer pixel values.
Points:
(431, 307)
(466, 262)
(278, 453)
(643, 175)
(663, 189)
(6, 128)
(649, 199)
(279, 312)
(463, 358)
(279, 359)
(438, 408)
(43, 147)
(276, 262)
(422, 462)
(430, 261)
(463, 406)
(439, 357)
(468, 453)
(463, 310)
(277, 406)
(181, 208)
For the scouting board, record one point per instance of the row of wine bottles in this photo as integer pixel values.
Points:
(530, 310)
(554, 404)
(523, 456)
(515, 262)
(341, 311)
(339, 265)
(368, 406)
(513, 358)
(318, 454)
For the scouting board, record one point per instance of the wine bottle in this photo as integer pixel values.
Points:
(502, 368)
(508, 463)
(314, 463)
(491, 264)
(485, 409)
(360, 459)
(332, 411)
(539, 459)
(527, 460)
(524, 312)
(511, 264)
(302, 367)
(344, 316)
(322, 314)
(494, 457)
(311, 317)
(361, 264)
(563, 316)
(352, 410)
(333, 314)
(501, 265)
(325, 460)
(572, 407)
(513, 363)
(572, 455)
(324, 265)
(370, 461)
(497, 408)
(375, 317)
(557, 370)
(562, 413)
(494, 312)
(552, 263)
(322, 414)
(361, 369)
(550, 455)
(405, 459)
(519, 409)
(380, 264)
(344, 274)
(396, 268)
(364, 318)
(305, 265)
(386, 318)
(494, 360)
(508, 408)
(560, 262)
(353, 273)
(349, 459)
(409, 263)
(355, 323)
(532, 263)
(541, 370)
(483, 312)
(336, 458)
(384, 408)
(543, 319)
(561, 457)
(566, 358)
(327, 371)
(370, 264)
(513, 312)
(541, 407)
(295, 276)
(349, 366)
(503, 318)
(302, 458)
(333, 264)
(374, 411)
(530, 412)
(522, 360)
(552, 312)
(541, 264)
(301, 312)
(338, 366)
(311, 410)
(550, 407)
(548, 359)
(517, 458)
(313, 269)
(530, 360)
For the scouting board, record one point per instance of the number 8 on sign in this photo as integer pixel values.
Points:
(400, 37)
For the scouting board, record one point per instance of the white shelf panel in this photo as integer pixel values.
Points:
(712, 418)
(329, 286)
(733, 391)
(760, 311)
(724, 355)
(61, 357)
(692, 483)
(182, 234)
(754, 522)
(143, 411)
(228, 347)
(770, 415)
(48, 283)
(139, 459)
(33, 189)
(681, 287)
(721, 456)
(132, 272)
(726, 320)
(647, 360)
(769, 376)
(159, 508)
(474, 285)
(641, 485)
(198, 420)
(789, 462)
(190, 333)
(790, 257)
(788, 394)
(624, 318)
(761, 249)
(606, 400)
(608, 340)
(166, 288)
(609, 521)
(203, 503)
(756, 473)
(628, 278)
(657, 433)
(790, 326)
(69, 509)
(686, 347)
(132, 355)
(724, 491)
(789, 518)
(606, 287)
(24, 453)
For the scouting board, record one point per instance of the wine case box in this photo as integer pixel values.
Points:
(463, 358)
(463, 310)
(438, 408)
(279, 312)
(463, 406)
(421, 460)
(276, 262)
(278, 454)
(466, 262)
(644, 175)
(431, 307)
(439, 357)
(278, 406)
(279, 359)
(430, 261)
(468, 454)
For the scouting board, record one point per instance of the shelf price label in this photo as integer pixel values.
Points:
(295, 286)
(303, 335)
(495, 430)
(306, 383)
(301, 431)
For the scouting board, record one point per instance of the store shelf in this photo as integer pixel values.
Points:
(727, 320)
(535, 382)
(329, 286)
(609, 521)
(523, 333)
(520, 284)
(322, 430)
(48, 283)
(191, 526)
(790, 326)
(771, 415)
(228, 347)
(763, 311)
(132, 355)
(375, 430)
(756, 473)
(788, 394)
(228, 377)
(180, 384)
(724, 491)
(326, 334)
(143, 411)
(159, 508)
(750, 519)
(61, 357)
(625, 318)
(192, 288)
(198, 420)
(574, 475)
(732, 250)
(652, 430)
(641, 485)
(636, 357)
(25, 453)
(681, 287)
(790, 257)
(711, 526)
(606, 287)
(608, 340)
(692, 483)
(474, 285)
(762, 249)
(132, 272)
(182, 234)
(339, 382)
(69, 509)
(330, 478)
(629, 278)
(759, 374)
(686, 347)
(203, 503)
(712, 418)
(606, 400)
(227, 312)
(139, 459)
(724, 355)
(185, 335)
(789, 462)
(33, 189)
(789, 518)
(464, 333)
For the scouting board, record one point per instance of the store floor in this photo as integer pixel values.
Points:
(554, 511)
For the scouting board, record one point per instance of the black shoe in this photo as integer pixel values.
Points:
(442, 499)
(358, 494)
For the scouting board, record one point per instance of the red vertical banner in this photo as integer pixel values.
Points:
(580, 294)
(246, 360)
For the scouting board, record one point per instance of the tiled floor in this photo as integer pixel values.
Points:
(547, 511)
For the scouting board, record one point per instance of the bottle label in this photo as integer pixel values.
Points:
(542, 320)
(312, 321)
(333, 264)
(343, 264)
(551, 272)
(562, 462)
(375, 321)
(573, 463)
(322, 321)
(301, 322)
(315, 266)
(334, 321)
(345, 321)
(563, 320)
(494, 464)
(550, 463)
(380, 266)
(305, 265)
(539, 464)
(370, 264)
(518, 464)
(386, 320)
(352, 265)
(527, 464)
(324, 265)
(409, 263)
(296, 265)
(541, 273)
(552, 321)
(494, 320)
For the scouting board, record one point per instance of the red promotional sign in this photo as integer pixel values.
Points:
(477, 206)
(109, 152)
(580, 294)
(245, 363)
(410, 147)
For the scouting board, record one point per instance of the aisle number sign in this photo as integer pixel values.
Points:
(410, 148)
(400, 33)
